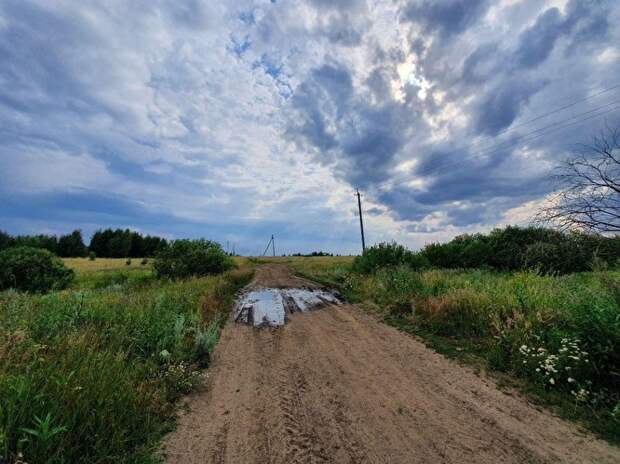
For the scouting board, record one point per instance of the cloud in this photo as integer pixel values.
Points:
(503, 104)
(240, 119)
(445, 18)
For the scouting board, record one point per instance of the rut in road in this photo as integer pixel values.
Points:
(337, 386)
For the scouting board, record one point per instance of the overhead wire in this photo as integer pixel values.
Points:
(528, 137)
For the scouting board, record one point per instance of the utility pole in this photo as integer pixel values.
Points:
(359, 207)
(273, 246)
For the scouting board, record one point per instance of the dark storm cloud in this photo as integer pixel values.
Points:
(343, 128)
(501, 105)
(447, 17)
(338, 31)
(536, 43)
(338, 4)
(582, 23)
(481, 63)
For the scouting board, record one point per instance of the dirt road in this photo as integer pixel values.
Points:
(336, 386)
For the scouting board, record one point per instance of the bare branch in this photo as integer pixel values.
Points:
(588, 188)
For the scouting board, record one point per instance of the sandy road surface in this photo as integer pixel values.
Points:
(334, 385)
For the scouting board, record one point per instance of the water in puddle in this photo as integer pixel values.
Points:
(269, 306)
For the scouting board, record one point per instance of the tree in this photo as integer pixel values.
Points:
(588, 188)
(6, 241)
(71, 245)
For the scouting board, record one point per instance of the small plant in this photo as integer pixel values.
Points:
(144, 262)
(179, 379)
(92, 256)
(43, 429)
(33, 270)
(556, 368)
(128, 262)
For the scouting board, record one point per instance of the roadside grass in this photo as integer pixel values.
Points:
(558, 337)
(91, 374)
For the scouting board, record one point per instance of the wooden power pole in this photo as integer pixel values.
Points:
(359, 207)
(273, 246)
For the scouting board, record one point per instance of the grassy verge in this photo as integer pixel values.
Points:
(91, 374)
(558, 336)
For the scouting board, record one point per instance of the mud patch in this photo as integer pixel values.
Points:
(270, 306)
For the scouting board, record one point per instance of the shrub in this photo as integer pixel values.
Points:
(518, 248)
(144, 262)
(33, 270)
(387, 254)
(92, 256)
(187, 258)
(128, 262)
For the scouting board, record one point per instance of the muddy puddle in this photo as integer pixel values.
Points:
(270, 306)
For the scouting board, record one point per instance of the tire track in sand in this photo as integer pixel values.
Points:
(336, 386)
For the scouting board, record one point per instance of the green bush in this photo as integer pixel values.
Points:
(33, 270)
(186, 258)
(520, 248)
(92, 256)
(128, 262)
(386, 255)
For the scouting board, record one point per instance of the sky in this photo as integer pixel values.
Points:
(235, 120)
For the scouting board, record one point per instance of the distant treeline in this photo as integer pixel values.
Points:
(70, 245)
(314, 253)
(108, 243)
(121, 243)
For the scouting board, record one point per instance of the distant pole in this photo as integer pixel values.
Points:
(359, 207)
(273, 246)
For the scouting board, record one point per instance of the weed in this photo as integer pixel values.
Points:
(90, 374)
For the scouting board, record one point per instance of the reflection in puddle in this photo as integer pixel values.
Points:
(269, 306)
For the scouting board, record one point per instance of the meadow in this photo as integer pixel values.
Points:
(557, 338)
(92, 373)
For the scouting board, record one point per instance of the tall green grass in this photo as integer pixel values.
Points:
(91, 374)
(561, 334)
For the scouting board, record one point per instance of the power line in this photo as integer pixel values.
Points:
(523, 138)
(557, 110)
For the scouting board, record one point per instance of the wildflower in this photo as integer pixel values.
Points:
(552, 381)
(164, 354)
(570, 380)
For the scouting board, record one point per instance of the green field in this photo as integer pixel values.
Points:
(91, 374)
